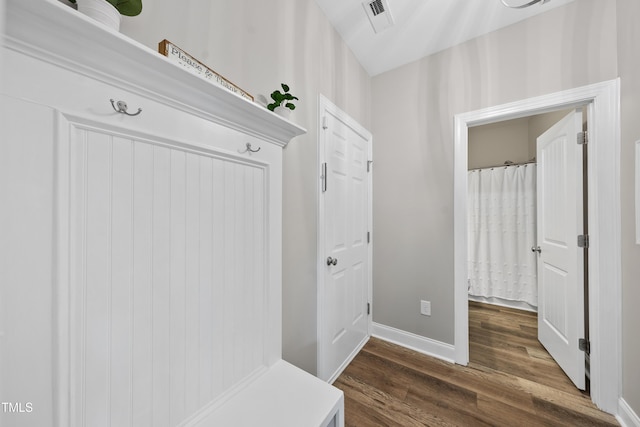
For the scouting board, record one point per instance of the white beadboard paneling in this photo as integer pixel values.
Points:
(219, 265)
(177, 245)
(121, 340)
(244, 227)
(97, 280)
(76, 227)
(236, 211)
(142, 291)
(168, 298)
(229, 279)
(258, 255)
(161, 285)
(206, 275)
(192, 285)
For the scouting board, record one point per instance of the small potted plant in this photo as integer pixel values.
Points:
(282, 101)
(109, 12)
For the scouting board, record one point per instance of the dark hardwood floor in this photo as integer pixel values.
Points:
(510, 381)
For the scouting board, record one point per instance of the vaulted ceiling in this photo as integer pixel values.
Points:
(421, 27)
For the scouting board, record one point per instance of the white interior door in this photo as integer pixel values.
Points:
(344, 248)
(560, 260)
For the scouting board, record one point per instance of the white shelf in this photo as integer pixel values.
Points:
(56, 33)
(284, 396)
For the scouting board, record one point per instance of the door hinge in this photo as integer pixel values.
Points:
(583, 241)
(368, 237)
(583, 138)
(324, 177)
(368, 308)
(584, 345)
(369, 165)
(324, 122)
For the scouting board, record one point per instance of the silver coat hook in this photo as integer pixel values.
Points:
(250, 150)
(121, 107)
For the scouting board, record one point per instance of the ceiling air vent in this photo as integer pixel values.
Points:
(376, 7)
(379, 14)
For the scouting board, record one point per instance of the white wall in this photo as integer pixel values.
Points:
(629, 64)
(413, 110)
(495, 143)
(257, 45)
(514, 140)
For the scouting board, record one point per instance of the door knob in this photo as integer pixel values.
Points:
(536, 249)
(332, 261)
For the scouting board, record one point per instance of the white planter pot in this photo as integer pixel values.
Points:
(102, 11)
(282, 112)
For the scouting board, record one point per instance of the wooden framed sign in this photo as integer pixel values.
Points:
(179, 56)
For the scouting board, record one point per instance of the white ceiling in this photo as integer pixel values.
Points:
(422, 27)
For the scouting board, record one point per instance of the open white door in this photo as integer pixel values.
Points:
(560, 260)
(344, 279)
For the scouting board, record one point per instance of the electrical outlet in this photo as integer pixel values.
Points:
(425, 308)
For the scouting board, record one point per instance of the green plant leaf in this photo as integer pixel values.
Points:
(285, 87)
(290, 106)
(277, 96)
(271, 106)
(127, 7)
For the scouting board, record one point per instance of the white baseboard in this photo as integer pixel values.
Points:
(627, 416)
(520, 305)
(414, 342)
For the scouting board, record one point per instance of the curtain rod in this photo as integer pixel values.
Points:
(506, 165)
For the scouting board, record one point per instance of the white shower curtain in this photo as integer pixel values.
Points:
(502, 230)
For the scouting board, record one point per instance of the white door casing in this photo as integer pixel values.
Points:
(560, 260)
(344, 277)
(603, 114)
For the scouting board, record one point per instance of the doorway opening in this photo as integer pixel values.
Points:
(602, 100)
(506, 195)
